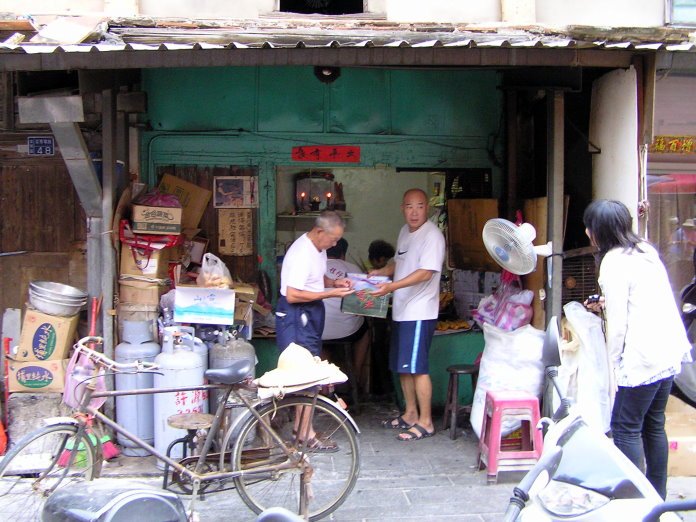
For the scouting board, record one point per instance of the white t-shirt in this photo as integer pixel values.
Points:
(422, 249)
(303, 267)
(337, 324)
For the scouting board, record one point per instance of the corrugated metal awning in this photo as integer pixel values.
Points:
(142, 44)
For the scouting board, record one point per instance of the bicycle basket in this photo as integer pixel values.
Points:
(80, 371)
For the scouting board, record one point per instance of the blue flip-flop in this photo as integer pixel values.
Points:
(401, 424)
(424, 434)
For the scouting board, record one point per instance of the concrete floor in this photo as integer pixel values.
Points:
(433, 479)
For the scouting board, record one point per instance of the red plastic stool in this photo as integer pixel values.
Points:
(517, 405)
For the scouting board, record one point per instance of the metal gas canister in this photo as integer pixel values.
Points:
(178, 366)
(136, 412)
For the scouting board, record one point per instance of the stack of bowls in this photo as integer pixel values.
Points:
(56, 298)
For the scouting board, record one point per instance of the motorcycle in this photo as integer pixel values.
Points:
(581, 475)
(685, 383)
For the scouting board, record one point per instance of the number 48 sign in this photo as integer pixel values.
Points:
(41, 146)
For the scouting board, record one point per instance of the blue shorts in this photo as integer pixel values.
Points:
(301, 323)
(410, 344)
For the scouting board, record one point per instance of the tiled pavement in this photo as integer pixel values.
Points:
(433, 479)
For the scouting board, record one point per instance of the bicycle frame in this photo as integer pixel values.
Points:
(195, 476)
(294, 455)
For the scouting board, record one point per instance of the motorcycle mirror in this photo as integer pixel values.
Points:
(551, 355)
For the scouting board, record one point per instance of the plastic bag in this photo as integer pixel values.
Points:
(508, 308)
(585, 372)
(214, 273)
(80, 371)
(156, 198)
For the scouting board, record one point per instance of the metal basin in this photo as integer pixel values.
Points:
(50, 307)
(56, 298)
(57, 289)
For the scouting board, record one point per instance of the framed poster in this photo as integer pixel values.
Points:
(235, 192)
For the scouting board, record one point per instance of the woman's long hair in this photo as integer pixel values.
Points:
(610, 225)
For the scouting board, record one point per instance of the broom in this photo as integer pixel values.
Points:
(80, 457)
(109, 449)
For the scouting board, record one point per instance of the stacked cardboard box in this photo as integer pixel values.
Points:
(143, 275)
(144, 272)
(37, 363)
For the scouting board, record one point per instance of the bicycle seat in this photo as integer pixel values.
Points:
(233, 374)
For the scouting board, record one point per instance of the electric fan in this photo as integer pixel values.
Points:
(511, 245)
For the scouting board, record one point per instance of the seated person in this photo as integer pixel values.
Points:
(379, 253)
(340, 327)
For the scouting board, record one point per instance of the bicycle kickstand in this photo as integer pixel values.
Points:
(191, 512)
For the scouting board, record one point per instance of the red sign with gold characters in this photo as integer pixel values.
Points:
(327, 153)
(674, 145)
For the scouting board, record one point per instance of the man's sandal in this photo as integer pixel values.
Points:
(316, 445)
(407, 436)
(397, 423)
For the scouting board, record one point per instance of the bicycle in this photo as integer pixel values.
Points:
(261, 454)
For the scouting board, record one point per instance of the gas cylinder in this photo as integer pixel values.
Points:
(196, 344)
(136, 412)
(178, 366)
(224, 353)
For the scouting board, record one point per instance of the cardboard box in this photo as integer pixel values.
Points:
(244, 317)
(156, 220)
(45, 337)
(37, 376)
(194, 199)
(141, 292)
(200, 305)
(362, 302)
(146, 265)
(680, 425)
(466, 218)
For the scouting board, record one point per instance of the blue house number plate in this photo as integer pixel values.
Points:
(41, 146)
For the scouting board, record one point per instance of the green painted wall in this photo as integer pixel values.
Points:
(416, 119)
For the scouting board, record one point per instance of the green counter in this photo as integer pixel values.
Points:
(267, 354)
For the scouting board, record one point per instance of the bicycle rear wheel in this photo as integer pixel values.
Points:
(333, 474)
(41, 462)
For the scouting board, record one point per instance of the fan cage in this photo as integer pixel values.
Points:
(579, 275)
(502, 233)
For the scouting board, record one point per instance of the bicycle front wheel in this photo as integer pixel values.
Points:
(41, 462)
(332, 473)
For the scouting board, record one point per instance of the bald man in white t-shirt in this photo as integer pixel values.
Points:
(420, 253)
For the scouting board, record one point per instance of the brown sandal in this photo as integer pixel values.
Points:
(316, 445)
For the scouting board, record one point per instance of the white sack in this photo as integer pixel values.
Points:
(584, 374)
(510, 361)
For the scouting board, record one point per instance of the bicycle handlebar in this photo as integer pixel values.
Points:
(82, 346)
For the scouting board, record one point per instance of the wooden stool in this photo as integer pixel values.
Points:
(452, 407)
(196, 426)
(347, 368)
(517, 405)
